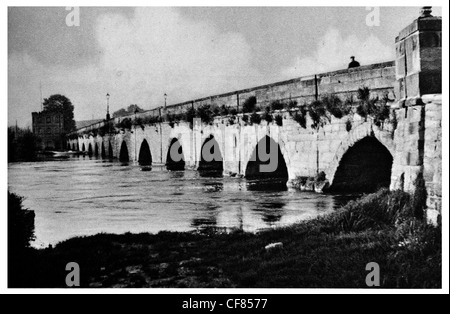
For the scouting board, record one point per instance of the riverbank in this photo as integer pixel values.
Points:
(327, 252)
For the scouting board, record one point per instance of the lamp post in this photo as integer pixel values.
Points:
(165, 100)
(108, 117)
(107, 107)
(135, 148)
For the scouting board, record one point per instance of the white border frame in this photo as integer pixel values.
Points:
(445, 146)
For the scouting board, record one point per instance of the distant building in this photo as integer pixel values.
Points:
(49, 127)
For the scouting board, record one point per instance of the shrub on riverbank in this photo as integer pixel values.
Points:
(20, 234)
(330, 251)
(20, 223)
(23, 145)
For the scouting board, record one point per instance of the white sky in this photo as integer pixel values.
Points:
(138, 54)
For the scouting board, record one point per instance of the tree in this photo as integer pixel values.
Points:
(126, 112)
(61, 104)
(22, 145)
(20, 223)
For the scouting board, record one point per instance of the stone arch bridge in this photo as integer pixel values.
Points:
(351, 152)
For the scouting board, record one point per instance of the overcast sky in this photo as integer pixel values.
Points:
(138, 54)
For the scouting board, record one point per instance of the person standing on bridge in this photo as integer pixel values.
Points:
(353, 63)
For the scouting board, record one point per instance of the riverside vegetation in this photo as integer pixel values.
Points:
(330, 251)
(319, 113)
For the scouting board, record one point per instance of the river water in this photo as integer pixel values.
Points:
(85, 196)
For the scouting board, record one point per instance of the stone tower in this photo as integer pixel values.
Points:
(418, 90)
(419, 57)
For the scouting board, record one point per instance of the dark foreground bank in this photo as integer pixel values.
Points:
(328, 252)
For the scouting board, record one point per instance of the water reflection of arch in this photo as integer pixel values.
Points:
(175, 157)
(90, 152)
(110, 151)
(103, 151)
(271, 212)
(206, 219)
(211, 158)
(267, 169)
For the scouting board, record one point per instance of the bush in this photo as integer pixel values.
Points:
(334, 105)
(362, 110)
(380, 113)
(224, 111)
(292, 104)
(378, 110)
(189, 115)
(107, 127)
(300, 117)
(125, 123)
(216, 110)
(23, 144)
(255, 118)
(318, 114)
(245, 118)
(367, 104)
(232, 120)
(205, 113)
(364, 94)
(267, 117)
(372, 212)
(233, 111)
(20, 223)
(171, 118)
(249, 104)
(277, 105)
(150, 120)
(139, 122)
(279, 120)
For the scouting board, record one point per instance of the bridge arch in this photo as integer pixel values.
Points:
(124, 155)
(145, 156)
(83, 148)
(267, 165)
(73, 146)
(363, 130)
(211, 160)
(95, 149)
(175, 158)
(365, 167)
(90, 149)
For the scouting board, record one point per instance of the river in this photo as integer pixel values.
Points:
(84, 196)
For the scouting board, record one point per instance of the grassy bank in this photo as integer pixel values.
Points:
(330, 251)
